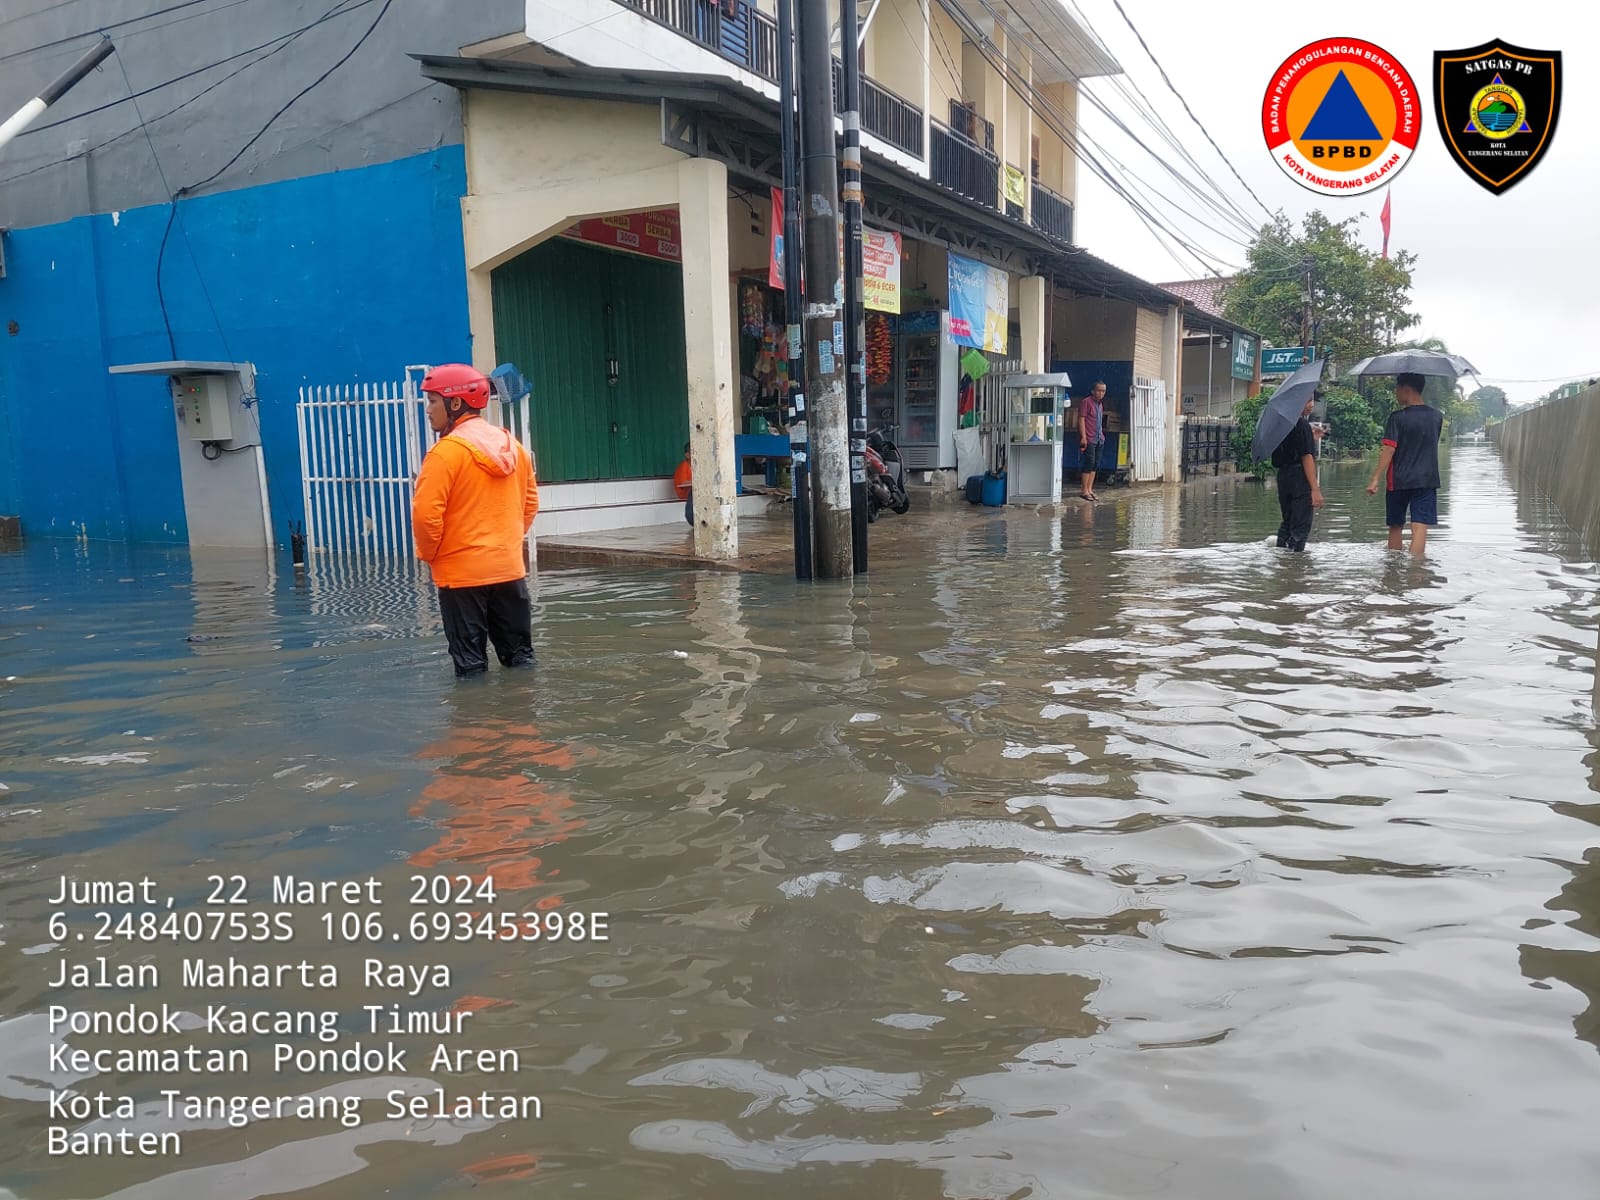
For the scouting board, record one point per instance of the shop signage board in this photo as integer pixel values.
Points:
(880, 256)
(880, 271)
(1244, 356)
(979, 304)
(654, 234)
(1282, 360)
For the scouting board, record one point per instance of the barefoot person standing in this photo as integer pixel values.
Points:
(1409, 462)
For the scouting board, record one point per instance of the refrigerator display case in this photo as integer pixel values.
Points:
(926, 390)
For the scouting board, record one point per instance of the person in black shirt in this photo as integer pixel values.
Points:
(1410, 462)
(1298, 493)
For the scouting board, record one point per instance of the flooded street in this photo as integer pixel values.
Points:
(1105, 854)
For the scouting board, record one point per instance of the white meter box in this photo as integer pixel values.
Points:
(202, 407)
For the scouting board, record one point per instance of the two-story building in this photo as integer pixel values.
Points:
(583, 188)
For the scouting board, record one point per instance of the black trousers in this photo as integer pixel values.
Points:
(1294, 502)
(498, 613)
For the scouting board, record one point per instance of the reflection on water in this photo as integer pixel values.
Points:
(1103, 854)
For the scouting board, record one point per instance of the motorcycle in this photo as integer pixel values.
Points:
(886, 477)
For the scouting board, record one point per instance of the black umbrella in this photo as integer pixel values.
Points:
(1414, 362)
(1284, 409)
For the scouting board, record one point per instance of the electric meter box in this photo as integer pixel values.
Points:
(201, 406)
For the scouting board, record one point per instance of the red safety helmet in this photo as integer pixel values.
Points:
(460, 382)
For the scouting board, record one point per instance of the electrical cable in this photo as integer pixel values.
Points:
(260, 133)
(1042, 107)
(284, 42)
(134, 96)
(160, 12)
(1173, 88)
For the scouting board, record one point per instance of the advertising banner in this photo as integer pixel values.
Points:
(979, 298)
(880, 262)
(654, 234)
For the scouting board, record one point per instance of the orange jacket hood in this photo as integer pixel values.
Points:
(493, 448)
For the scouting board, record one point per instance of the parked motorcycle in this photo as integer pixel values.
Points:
(886, 477)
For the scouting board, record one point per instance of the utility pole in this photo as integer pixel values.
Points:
(829, 421)
(794, 297)
(855, 308)
(29, 112)
(1305, 304)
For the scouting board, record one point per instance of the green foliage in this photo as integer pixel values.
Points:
(1247, 413)
(1359, 301)
(1490, 403)
(1353, 430)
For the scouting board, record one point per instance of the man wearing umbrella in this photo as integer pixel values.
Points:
(1409, 462)
(1284, 434)
(1298, 492)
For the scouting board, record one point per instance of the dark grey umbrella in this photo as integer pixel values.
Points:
(1284, 409)
(1414, 362)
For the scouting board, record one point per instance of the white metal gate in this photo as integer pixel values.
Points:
(361, 446)
(1149, 429)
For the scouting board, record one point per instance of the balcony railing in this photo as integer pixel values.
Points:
(963, 166)
(1052, 214)
(750, 39)
(896, 121)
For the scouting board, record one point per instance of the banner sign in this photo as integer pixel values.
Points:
(1244, 356)
(880, 259)
(1016, 186)
(654, 234)
(775, 260)
(1281, 360)
(979, 304)
(880, 271)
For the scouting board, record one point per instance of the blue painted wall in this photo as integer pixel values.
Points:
(335, 278)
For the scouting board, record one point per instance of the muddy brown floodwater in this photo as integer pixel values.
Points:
(1104, 854)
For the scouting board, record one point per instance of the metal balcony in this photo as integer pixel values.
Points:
(963, 166)
(749, 39)
(1052, 214)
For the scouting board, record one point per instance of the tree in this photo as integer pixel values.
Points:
(1353, 430)
(1359, 301)
(1491, 404)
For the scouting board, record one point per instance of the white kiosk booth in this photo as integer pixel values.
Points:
(1037, 407)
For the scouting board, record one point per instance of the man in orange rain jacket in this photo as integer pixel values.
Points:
(475, 501)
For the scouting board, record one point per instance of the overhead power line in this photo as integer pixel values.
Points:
(1174, 89)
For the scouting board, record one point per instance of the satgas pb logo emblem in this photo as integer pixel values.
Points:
(1497, 106)
(1341, 116)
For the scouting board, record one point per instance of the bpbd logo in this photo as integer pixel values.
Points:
(1341, 116)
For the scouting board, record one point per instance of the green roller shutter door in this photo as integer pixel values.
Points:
(561, 311)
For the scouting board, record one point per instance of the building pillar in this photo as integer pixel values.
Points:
(708, 351)
(1035, 343)
(480, 319)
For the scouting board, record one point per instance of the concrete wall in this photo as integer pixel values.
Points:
(88, 154)
(338, 278)
(1555, 446)
(1093, 327)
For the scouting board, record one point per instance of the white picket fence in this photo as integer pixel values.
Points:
(361, 446)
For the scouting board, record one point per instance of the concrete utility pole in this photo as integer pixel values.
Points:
(855, 300)
(829, 425)
(29, 112)
(794, 298)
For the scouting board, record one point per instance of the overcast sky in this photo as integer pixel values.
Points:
(1511, 281)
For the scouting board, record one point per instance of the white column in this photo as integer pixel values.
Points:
(708, 348)
(1035, 343)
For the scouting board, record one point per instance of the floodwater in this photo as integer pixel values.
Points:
(1109, 854)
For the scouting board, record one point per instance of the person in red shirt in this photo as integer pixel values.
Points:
(475, 500)
(683, 481)
(1091, 437)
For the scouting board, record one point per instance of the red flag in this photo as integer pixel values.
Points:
(1384, 221)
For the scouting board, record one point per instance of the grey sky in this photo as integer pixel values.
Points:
(1508, 280)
